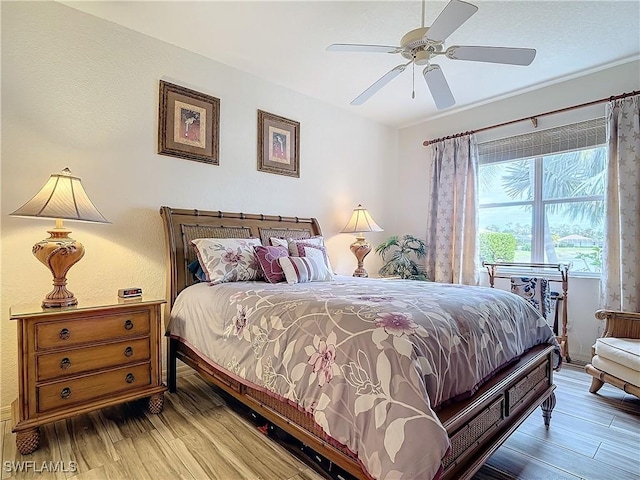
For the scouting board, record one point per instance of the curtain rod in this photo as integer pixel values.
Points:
(533, 118)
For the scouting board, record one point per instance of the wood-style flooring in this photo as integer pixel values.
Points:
(198, 436)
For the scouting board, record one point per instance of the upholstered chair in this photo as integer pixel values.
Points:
(616, 355)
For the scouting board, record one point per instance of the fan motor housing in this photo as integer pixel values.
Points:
(416, 46)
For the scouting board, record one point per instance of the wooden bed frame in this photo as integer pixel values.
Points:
(476, 426)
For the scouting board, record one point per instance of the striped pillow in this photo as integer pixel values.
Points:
(305, 269)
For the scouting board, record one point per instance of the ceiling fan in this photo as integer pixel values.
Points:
(423, 44)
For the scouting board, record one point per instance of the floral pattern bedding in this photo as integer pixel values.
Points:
(369, 359)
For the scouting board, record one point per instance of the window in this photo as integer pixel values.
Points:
(541, 197)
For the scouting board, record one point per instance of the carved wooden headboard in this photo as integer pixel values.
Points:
(182, 226)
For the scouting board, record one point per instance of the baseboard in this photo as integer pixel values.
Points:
(5, 413)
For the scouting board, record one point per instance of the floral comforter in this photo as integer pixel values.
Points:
(368, 359)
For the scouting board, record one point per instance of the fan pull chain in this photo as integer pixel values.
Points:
(413, 80)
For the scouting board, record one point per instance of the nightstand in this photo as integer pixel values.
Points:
(77, 359)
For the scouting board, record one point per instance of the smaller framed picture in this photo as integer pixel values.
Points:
(278, 145)
(189, 124)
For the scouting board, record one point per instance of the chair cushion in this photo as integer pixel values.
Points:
(624, 351)
(616, 370)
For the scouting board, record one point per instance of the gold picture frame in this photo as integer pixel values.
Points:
(278, 145)
(189, 124)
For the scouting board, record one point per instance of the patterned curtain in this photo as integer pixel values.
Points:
(621, 253)
(453, 211)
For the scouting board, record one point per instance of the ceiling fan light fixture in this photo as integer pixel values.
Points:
(422, 57)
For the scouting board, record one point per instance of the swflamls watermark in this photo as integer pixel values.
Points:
(12, 466)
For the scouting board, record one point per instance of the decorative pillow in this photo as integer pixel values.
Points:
(305, 269)
(228, 259)
(290, 243)
(268, 261)
(309, 249)
(196, 271)
(535, 290)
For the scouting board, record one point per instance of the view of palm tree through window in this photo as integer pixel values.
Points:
(545, 209)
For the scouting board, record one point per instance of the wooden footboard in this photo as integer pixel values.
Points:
(479, 425)
(476, 427)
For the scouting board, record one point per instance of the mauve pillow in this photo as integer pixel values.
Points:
(268, 261)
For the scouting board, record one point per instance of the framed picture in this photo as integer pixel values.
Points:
(189, 125)
(278, 145)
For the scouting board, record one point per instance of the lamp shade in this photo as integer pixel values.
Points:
(360, 222)
(62, 197)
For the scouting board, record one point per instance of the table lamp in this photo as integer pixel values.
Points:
(61, 198)
(360, 222)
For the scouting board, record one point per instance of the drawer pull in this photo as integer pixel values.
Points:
(128, 352)
(65, 393)
(128, 325)
(65, 363)
(130, 378)
(64, 334)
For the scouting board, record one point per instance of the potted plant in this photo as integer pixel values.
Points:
(401, 264)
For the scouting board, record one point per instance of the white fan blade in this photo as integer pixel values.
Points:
(450, 19)
(353, 47)
(381, 82)
(508, 55)
(438, 87)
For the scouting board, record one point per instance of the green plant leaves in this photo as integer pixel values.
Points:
(401, 264)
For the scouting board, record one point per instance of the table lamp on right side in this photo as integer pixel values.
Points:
(359, 223)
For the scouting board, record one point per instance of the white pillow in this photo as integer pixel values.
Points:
(308, 249)
(228, 259)
(305, 269)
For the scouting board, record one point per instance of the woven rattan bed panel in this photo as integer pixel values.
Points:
(296, 234)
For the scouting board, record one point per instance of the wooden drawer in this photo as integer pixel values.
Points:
(90, 329)
(80, 360)
(66, 393)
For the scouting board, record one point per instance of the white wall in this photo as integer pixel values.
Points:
(413, 173)
(82, 93)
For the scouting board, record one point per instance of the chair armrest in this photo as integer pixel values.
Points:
(620, 324)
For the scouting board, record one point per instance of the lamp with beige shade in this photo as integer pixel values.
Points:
(61, 198)
(359, 223)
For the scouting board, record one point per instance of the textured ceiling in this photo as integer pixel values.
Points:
(284, 42)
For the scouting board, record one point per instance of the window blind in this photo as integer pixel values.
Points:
(575, 136)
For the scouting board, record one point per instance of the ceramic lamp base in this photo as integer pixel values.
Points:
(360, 248)
(59, 253)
